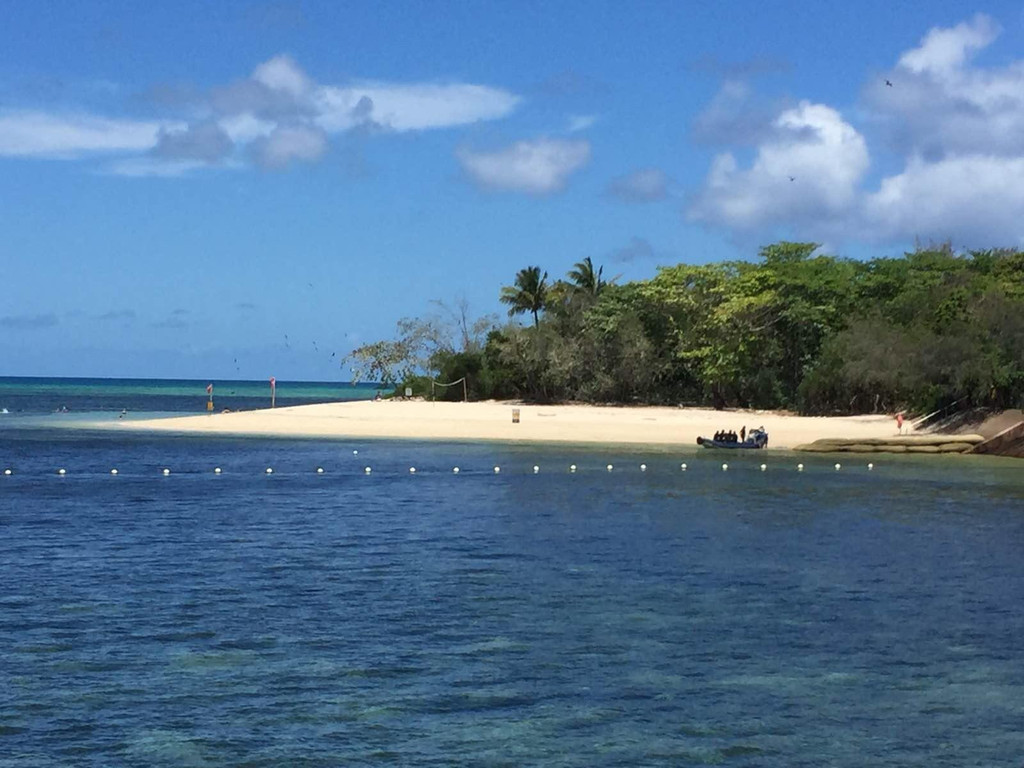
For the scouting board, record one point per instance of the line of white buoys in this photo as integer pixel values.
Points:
(764, 467)
(319, 470)
(643, 467)
(62, 471)
(166, 472)
(367, 470)
(799, 467)
(870, 466)
(838, 466)
(216, 470)
(725, 467)
(536, 469)
(269, 470)
(572, 467)
(113, 471)
(682, 467)
(455, 470)
(412, 470)
(497, 470)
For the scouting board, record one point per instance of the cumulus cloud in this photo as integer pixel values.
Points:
(275, 116)
(538, 167)
(207, 142)
(39, 134)
(643, 186)
(287, 144)
(956, 128)
(975, 200)
(807, 172)
(940, 104)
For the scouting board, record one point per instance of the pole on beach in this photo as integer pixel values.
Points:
(209, 391)
(273, 391)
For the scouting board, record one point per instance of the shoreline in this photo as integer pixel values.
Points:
(492, 421)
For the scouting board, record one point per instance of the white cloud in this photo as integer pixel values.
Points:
(943, 50)
(940, 104)
(281, 73)
(38, 134)
(644, 186)
(579, 123)
(807, 172)
(141, 167)
(275, 116)
(287, 144)
(415, 107)
(976, 201)
(535, 167)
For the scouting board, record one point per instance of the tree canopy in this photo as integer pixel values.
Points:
(793, 329)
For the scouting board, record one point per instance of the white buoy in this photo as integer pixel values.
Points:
(61, 471)
(725, 467)
(572, 467)
(643, 467)
(682, 467)
(536, 469)
(166, 472)
(8, 472)
(216, 470)
(113, 471)
(870, 466)
(319, 470)
(455, 470)
(610, 467)
(838, 466)
(355, 453)
(497, 470)
(764, 467)
(799, 467)
(367, 470)
(412, 470)
(269, 470)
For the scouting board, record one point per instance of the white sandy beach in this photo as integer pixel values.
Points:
(663, 426)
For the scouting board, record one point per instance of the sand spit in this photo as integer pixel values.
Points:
(424, 420)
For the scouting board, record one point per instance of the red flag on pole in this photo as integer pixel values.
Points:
(209, 389)
(273, 382)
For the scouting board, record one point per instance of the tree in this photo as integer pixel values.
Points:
(528, 294)
(585, 279)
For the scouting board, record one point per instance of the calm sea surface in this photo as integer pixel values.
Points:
(657, 618)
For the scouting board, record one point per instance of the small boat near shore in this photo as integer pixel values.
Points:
(756, 439)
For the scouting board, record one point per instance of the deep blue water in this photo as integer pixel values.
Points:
(658, 618)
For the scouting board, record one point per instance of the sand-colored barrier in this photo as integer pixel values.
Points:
(895, 444)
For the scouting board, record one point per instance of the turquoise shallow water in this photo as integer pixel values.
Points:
(657, 618)
(28, 396)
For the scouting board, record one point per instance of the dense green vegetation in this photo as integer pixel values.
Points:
(813, 333)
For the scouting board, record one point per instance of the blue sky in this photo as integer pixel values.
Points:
(239, 189)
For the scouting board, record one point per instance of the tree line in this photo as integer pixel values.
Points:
(795, 329)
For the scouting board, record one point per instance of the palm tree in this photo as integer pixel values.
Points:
(528, 294)
(586, 280)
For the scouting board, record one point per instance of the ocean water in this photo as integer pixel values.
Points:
(587, 618)
(32, 396)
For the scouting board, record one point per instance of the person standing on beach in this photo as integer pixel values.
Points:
(899, 422)
(743, 433)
